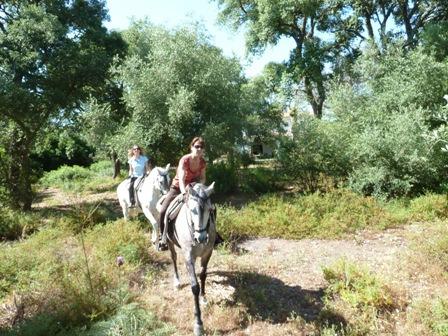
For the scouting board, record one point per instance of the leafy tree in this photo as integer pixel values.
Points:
(304, 21)
(178, 86)
(265, 101)
(53, 55)
(328, 35)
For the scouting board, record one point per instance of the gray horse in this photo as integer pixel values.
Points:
(194, 231)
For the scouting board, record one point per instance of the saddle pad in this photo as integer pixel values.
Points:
(174, 207)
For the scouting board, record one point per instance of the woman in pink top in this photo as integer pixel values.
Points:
(191, 168)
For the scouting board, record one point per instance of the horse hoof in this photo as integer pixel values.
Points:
(198, 329)
(176, 283)
(204, 302)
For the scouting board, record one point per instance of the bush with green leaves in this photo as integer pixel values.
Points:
(386, 121)
(392, 157)
(334, 214)
(16, 224)
(260, 180)
(225, 176)
(313, 152)
(66, 177)
(361, 297)
(102, 168)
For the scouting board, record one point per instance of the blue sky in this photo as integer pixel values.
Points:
(174, 12)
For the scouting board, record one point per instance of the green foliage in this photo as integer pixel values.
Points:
(225, 177)
(80, 275)
(359, 296)
(335, 214)
(178, 88)
(78, 179)
(428, 207)
(67, 178)
(16, 224)
(53, 56)
(102, 168)
(434, 244)
(435, 40)
(434, 315)
(314, 151)
(62, 148)
(258, 181)
(245, 159)
(386, 123)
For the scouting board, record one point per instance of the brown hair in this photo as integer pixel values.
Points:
(131, 151)
(197, 139)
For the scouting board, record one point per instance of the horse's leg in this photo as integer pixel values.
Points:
(174, 259)
(203, 275)
(198, 325)
(155, 226)
(125, 210)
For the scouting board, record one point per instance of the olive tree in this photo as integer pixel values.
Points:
(178, 86)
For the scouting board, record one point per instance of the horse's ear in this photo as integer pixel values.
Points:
(168, 167)
(210, 188)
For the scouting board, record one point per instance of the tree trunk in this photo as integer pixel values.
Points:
(116, 165)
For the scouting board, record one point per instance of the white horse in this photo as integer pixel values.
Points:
(194, 231)
(148, 193)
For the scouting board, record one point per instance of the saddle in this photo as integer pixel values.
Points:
(171, 212)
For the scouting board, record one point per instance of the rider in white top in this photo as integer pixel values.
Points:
(138, 163)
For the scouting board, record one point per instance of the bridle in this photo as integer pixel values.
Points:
(200, 233)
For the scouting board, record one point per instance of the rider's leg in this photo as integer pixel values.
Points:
(131, 192)
(172, 194)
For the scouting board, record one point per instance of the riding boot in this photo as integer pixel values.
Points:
(161, 246)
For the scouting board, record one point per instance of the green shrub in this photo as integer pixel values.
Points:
(16, 224)
(315, 150)
(428, 207)
(225, 177)
(337, 213)
(258, 181)
(67, 178)
(434, 314)
(102, 168)
(245, 159)
(79, 273)
(360, 297)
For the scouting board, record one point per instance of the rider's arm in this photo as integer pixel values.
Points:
(202, 176)
(182, 175)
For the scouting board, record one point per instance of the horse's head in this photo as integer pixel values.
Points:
(162, 179)
(200, 207)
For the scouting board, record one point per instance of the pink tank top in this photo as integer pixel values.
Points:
(189, 174)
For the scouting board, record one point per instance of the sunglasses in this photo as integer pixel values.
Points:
(198, 147)
(136, 148)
